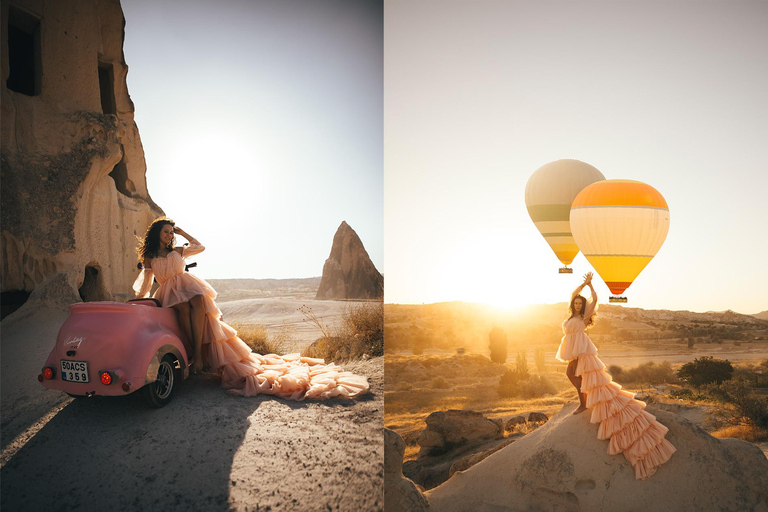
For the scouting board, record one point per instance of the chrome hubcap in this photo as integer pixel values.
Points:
(164, 382)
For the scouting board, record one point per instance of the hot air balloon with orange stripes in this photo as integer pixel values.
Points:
(619, 225)
(549, 194)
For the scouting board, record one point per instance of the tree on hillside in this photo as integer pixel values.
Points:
(706, 370)
(521, 365)
(541, 364)
(498, 345)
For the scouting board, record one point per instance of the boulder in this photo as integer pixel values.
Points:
(563, 466)
(461, 427)
(400, 493)
(349, 273)
(74, 190)
(430, 438)
(514, 421)
(537, 417)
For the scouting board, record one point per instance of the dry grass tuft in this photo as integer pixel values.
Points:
(749, 433)
(360, 334)
(258, 338)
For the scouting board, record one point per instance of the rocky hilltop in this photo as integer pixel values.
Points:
(563, 466)
(74, 191)
(348, 272)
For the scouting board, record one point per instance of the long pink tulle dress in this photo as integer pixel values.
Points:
(243, 371)
(624, 420)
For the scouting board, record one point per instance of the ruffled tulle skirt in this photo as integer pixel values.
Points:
(623, 421)
(573, 345)
(246, 373)
(182, 287)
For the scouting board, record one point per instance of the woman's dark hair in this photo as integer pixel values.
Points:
(150, 244)
(589, 322)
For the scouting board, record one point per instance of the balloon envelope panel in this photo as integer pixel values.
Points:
(549, 193)
(619, 225)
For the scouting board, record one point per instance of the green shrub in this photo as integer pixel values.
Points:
(706, 370)
(509, 383)
(745, 405)
(515, 384)
(535, 387)
(646, 373)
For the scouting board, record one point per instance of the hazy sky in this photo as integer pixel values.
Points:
(478, 95)
(262, 126)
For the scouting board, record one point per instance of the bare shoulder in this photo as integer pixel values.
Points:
(147, 262)
(179, 250)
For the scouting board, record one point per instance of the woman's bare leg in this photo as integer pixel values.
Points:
(185, 322)
(570, 371)
(197, 319)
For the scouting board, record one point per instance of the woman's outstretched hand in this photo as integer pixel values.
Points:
(588, 279)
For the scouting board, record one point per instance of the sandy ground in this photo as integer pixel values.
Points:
(206, 450)
(282, 314)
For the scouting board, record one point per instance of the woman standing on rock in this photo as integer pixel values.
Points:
(631, 429)
(576, 342)
(216, 344)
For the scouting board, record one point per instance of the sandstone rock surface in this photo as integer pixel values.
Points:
(453, 440)
(349, 273)
(563, 466)
(400, 493)
(455, 429)
(74, 192)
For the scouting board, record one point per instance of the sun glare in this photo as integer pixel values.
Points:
(494, 271)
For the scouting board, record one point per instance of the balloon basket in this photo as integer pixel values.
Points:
(565, 270)
(617, 299)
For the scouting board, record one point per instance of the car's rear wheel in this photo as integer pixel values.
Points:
(160, 392)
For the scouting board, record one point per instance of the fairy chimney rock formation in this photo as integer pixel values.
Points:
(348, 272)
(74, 190)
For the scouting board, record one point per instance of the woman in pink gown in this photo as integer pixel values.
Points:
(631, 429)
(215, 343)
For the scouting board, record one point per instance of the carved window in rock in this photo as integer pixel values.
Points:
(92, 288)
(12, 300)
(120, 175)
(107, 88)
(24, 55)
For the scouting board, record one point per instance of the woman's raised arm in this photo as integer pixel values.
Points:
(194, 246)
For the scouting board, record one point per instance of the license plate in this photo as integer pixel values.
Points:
(74, 371)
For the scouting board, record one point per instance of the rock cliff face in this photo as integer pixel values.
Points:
(74, 191)
(348, 272)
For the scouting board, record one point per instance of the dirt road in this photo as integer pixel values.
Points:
(206, 450)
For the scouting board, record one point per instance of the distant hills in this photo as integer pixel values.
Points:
(761, 316)
(451, 325)
(237, 289)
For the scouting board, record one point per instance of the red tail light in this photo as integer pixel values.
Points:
(48, 373)
(107, 378)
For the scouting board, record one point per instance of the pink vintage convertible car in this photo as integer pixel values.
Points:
(114, 348)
